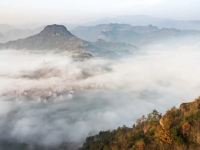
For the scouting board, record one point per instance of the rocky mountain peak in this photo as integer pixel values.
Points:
(55, 30)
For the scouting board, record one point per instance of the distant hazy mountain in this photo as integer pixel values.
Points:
(13, 33)
(143, 20)
(135, 35)
(110, 49)
(52, 37)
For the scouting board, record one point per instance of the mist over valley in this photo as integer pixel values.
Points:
(99, 75)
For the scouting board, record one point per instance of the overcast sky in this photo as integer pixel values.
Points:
(81, 11)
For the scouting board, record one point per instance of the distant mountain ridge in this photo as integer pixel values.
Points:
(145, 20)
(102, 40)
(57, 37)
(136, 35)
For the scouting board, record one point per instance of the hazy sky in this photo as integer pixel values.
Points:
(79, 11)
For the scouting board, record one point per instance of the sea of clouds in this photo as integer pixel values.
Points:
(49, 98)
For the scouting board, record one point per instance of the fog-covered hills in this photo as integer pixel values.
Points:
(57, 37)
(52, 102)
(100, 39)
(136, 35)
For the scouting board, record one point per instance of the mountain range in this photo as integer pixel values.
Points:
(57, 37)
(145, 20)
(178, 129)
(11, 32)
(136, 35)
(107, 40)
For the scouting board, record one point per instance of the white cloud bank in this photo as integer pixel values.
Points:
(71, 100)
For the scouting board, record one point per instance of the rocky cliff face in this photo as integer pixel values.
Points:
(178, 129)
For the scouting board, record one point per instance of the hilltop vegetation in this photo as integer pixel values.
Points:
(178, 129)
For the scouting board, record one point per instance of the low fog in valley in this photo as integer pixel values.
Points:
(51, 98)
(70, 69)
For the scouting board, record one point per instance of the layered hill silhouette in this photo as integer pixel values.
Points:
(178, 129)
(57, 37)
(51, 37)
(118, 36)
(145, 20)
(136, 35)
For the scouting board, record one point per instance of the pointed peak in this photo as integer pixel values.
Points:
(56, 30)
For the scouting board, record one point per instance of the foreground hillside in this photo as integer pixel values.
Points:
(178, 129)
